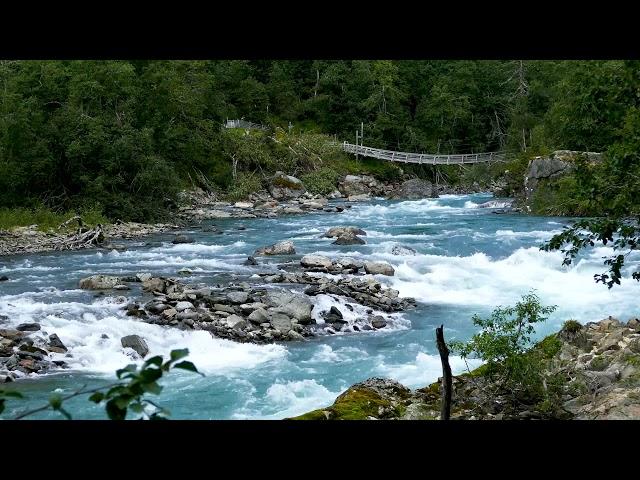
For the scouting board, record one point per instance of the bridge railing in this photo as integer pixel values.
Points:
(422, 158)
(244, 124)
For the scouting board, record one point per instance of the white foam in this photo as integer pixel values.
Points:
(287, 399)
(425, 369)
(479, 280)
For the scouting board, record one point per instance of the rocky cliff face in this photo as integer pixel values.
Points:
(556, 165)
(599, 363)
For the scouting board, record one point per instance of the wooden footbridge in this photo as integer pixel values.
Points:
(391, 155)
(422, 158)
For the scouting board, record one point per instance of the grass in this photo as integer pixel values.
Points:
(46, 219)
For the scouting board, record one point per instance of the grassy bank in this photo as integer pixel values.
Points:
(46, 219)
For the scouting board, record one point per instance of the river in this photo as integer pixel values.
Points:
(468, 261)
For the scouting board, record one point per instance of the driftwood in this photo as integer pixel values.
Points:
(81, 239)
(445, 412)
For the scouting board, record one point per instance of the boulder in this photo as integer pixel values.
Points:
(334, 232)
(238, 297)
(54, 341)
(258, 316)
(4, 278)
(236, 322)
(28, 327)
(414, 189)
(357, 185)
(280, 322)
(280, 248)
(182, 306)
(379, 268)
(315, 261)
(351, 263)
(558, 164)
(182, 239)
(378, 322)
(294, 305)
(334, 316)
(250, 261)
(153, 284)
(363, 197)
(283, 187)
(349, 238)
(136, 343)
(402, 250)
(99, 282)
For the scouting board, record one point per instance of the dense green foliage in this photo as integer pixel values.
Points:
(125, 136)
(504, 343)
(128, 394)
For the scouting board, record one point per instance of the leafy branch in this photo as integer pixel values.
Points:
(122, 396)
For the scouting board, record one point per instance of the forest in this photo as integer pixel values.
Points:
(122, 138)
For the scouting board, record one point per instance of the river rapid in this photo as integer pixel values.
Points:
(469, 260)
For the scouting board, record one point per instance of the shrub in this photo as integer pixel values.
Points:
(243, 186)
(321, 181)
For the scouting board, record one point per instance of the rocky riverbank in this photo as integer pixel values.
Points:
(599, 364)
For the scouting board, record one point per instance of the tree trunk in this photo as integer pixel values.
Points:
(445, 411)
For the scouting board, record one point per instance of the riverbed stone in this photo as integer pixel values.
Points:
(238, 297)
(99, 282)
(334, 232)
(348, 238)
(182, 239)
(154, 284)
(258, 316)
(280, 248)
(295, 305)
(315, 261)
(137, 343)
(379, 268)
(236, 322)
(282, 186)
(280, 322)
(28, 327)
(182, 306)
(402, 250)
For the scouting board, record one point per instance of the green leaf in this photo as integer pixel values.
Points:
(178, 354)
(150, 375)
(157, 360)
(11, 393)
(153, 387)
(122, 402)
(187, 366)
(97, 397)
(136, 407)
(128, 369)
(114, 412)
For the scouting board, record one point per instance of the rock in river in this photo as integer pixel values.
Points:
(182, 239)
(280, 248)
(379, 268)
(315, 261)
(135, 342)
(99, 282)
(349, 238)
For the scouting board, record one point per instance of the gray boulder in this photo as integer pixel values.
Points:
(28, 327)
(334, 232)
(379, 268)
(99, 282)
(415, 189)
(294, 305)
(280, 248)
(135, 342)
(258, 316)
(315, 261)
(283, 187)
(378, 322)
(153, 285)
(349, 238)
(280, 322)
(238, 297)
(182, 239)
(182, 306)
(236, 322)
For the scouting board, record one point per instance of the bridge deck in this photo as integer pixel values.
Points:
(422, 158)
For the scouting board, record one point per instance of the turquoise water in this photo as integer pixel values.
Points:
(469, 261)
